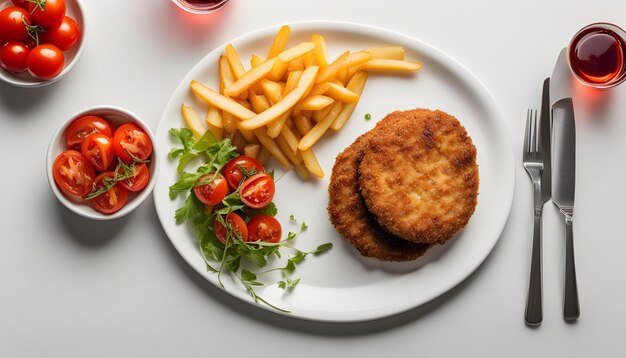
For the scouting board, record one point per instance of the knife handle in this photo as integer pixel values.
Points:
(534, 311)
(571, 309)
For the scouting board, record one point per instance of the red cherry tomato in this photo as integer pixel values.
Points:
(45, 61)
(84, 126)
(73, 173)
(98, 149)
(47, 13)
(21, 3)
(12, 26)
(130, 141)
(112, 200)
(139, 179)
(213, 192)
(64, 36)
(257, 191)
(237, 229)
(264, 228)
(13, 56)
(232, 170)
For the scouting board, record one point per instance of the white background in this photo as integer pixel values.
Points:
(70, 287)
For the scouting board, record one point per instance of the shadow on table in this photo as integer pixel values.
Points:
(313, 327)
(88, 232)
(20, 101)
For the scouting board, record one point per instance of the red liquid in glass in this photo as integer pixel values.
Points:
(203, 2)
(597, 56)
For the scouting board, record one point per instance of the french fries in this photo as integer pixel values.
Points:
(286, 102)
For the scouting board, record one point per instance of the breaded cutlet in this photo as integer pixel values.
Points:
(419, 176)
(351, 218)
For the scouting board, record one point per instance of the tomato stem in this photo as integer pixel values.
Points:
(33, 30)
(41, 4)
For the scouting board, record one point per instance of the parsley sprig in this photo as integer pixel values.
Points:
(243, 260)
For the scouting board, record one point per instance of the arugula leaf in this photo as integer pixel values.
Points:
(190, 210)
(288, 284)
(322, 248)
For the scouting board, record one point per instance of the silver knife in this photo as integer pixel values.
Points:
(534, 311)
(563, 190)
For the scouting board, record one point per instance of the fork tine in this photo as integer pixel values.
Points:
(527, 136)
(533, 137)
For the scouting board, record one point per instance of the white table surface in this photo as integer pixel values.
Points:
(70, 287)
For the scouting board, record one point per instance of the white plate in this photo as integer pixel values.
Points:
(341, 285)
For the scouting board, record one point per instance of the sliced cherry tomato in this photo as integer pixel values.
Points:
(73, 173)
(213, 192)
(12, 26)
(130, 141)
(21, 3)
(84, 126)
(47, 13)
(257, 191)
(112, 200)
(264, 228)
(98, 149)
(139, 179)
(232, 170)
(237, 228)
(64, 36)
(13, 56)
(45, 61)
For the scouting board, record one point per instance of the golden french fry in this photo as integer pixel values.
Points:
(292, 81)
(302, 124)
(356, 85)
(264, 155)
(244, 103)
(239, 141)
(332, 69)
(192, 121)
(279, 69)
(319, 88)
(296, 51)
(315, 103)
(252, 150)
(259, 103)
(213, 120)
(308, 59)
(220, 101)
(271, 90)
(342, 77)
(228, 122)
(249, 78)
(311, 163)
(340, 93)
(234, 61)
(320, 128)
(321, 114)
(387, 52)
(290, 100)
(320, 50)
(279, 41)
(271, 145)
(358, 58)
(290, 137)
(226, 74)
(294, 157)
(296, 65)
(301, 170)
(390, 65)
(255, 61)
(248, 135)
(274, 128)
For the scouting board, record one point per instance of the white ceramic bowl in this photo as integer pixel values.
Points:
(115, 116)
(74, 9)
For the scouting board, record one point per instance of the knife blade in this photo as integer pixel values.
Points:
(561, 79)
(563, 193)
(545, 127)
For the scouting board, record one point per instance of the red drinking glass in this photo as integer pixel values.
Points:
(200, 6)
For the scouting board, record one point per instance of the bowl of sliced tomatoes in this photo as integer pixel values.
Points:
(40, 40)
(101, 162)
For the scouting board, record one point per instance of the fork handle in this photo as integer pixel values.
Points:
(571, 309)
(534, 311)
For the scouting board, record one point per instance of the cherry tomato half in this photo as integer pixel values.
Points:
(73, 173)
(232, 170)
(64, 36)
(237, 228)
(111, 201)
(264, 228)
(257, 191)
(139, 179)
(213, 192)
(45, 61)
(13, 56)
(83, 127)
(130, 141)
(11, 26)
(47, 13)
(98, 149)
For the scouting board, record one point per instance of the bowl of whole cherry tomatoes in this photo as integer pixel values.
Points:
(40, 40)
(101, 162)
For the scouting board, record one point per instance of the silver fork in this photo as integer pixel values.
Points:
(533, 163)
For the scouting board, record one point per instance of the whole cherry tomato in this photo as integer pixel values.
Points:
(64, 36)
(12, 25)
(45, 61)
(13, 56)
(47, 13)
